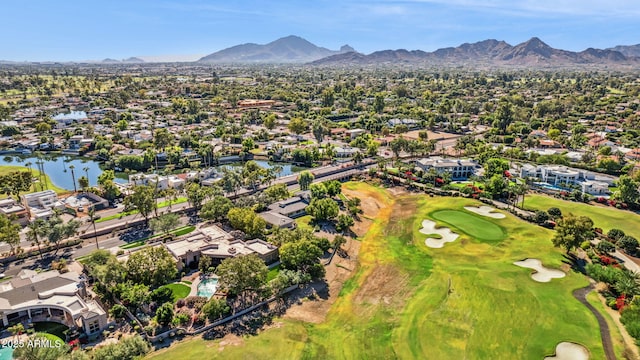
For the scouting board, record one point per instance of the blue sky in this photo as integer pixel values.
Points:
(38, 30)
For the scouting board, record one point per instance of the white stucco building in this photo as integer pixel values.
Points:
(53, 297)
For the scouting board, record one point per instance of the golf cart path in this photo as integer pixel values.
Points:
(607, 344)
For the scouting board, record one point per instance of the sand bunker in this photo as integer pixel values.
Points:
(541, 274)
(485, 210)
(429, 227)
(569, 351)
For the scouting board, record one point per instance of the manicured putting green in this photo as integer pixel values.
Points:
(471, 225)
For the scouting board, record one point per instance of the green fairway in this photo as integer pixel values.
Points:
(5, 169)
(406, 301)
(470, 224)
(603, 217)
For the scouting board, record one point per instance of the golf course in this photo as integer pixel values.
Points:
(605, 217)
(405, 300)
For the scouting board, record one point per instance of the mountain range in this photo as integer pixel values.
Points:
(531, 53)
(534, 53)
(131, 60)
(627, 50)
(290, 49)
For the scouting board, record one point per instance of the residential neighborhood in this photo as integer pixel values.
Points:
(163, 205)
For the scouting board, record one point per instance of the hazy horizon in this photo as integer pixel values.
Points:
(186, 30)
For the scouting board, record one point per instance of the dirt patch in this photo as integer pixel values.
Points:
(370, 206)
(230, 340)
(361, 226)
(383, 285)
(397, 190)
(317, 299)
(314, 301)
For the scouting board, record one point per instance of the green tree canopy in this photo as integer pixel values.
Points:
(305, 178)
(242, 273)
(142, 198)
(9, 232)
(627, 190)
(216, 209)
(302, 255)
(165, 223)
(571, 231)
(152, 266)
(323, 209)
(247, 221)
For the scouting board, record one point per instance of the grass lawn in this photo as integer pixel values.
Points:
(471, 224)
(53, 339)
(183, 230)
(161, 204)
(273, 272)
(180, 291)
(132, 245)
(51, 328)
(5, 169)
(464, 301)
(606, 218)
(303, 222)
(116, 216)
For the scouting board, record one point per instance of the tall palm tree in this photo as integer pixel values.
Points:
(36, 229)
(522, 190)
(41, 174)
(73, 178)
(28, 165)
(358, 157)
(86, 171)
(171, 195)
(92, 218)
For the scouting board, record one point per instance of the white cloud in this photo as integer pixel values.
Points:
(388, 10)
(599, 8)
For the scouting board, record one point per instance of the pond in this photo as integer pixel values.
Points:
(57, 168)
(287, 169)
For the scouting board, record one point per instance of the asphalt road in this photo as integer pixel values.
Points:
(115, 238)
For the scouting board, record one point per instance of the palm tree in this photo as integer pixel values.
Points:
(36, 229)
(473, 179)
(358, 157)
(627, 286)
(170, 194)
(73, 177)
(28, 165)
(41, 174)
(92, 218)
(277, 170)
(86, 171)
(522, 190)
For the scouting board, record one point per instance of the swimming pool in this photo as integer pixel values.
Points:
(207, 287)
(6, 353)
(549, 186)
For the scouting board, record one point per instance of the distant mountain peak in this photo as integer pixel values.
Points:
(346, 48)
(535, 43)
(288, 49)
(627, 50)
(133, 59)
(533, 52)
